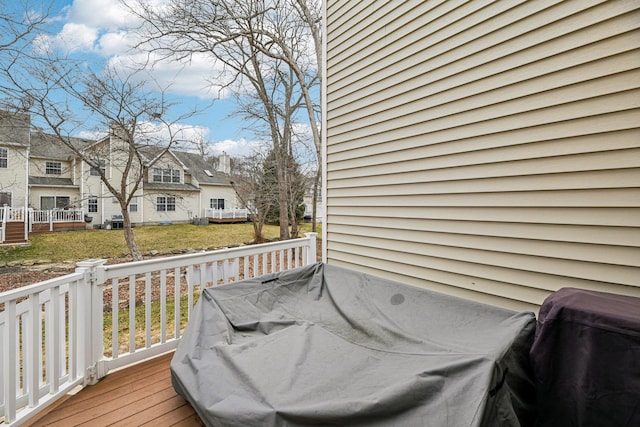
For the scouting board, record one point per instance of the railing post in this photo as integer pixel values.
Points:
(25, 223)
(5, 218)
(91, 320)
(311, 249)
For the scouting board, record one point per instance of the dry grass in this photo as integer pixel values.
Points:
(88, 244)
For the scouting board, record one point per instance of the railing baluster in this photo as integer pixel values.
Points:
(54, 379)
(273, 262)
(256, 266)
(10, 361)
(190, 278)
(23, 337)
(62, 332)
(115, 317)
(214, 275)
(132, 313)
(203, 278)
(147, 309)
(163, 306)
(225, 271)
(176, 301)
(33, 383)
(73, 327)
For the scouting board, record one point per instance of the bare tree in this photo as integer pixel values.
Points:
(248, 180)
(21, 22)
(65, 96)
(267, 53)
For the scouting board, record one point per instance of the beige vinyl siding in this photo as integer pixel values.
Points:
(490, 150)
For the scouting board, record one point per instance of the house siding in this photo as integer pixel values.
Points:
(488, 150)
(13, 178)
(217, 192)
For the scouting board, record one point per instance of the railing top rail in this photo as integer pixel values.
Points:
(137, 267)
(25, 291)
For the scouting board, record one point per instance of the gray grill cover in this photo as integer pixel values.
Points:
(325, 345)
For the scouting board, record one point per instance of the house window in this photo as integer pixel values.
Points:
(92, 205)
(133, 205)
(53, 168)
(103, 167)
(216, 203)
(165, 204)
(48, 203)
(5, 199)
(166, 175)
(4, 158)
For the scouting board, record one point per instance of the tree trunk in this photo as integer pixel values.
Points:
(314, 208)
(282, 165)
(128, 236)
(257, 229)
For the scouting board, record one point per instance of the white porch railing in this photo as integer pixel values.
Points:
(3, 222)
(52, 216)
(72, 330)
(9, 214)
(226, 213)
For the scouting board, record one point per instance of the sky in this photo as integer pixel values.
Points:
(96, 31)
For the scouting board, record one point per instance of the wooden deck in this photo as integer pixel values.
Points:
(138, 395)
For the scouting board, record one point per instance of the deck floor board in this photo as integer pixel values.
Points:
(138, 395)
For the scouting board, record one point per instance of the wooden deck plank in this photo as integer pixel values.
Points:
(122, 411)
(151, 413)
(182, 416)
(133, 396)
(109, 399)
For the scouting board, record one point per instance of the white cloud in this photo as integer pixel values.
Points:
(114, 43)
(107, 14)
(75, 36)
(238, 148)
(103, 28)
(181, 79)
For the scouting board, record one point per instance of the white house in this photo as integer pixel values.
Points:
(38, 171)
(489, 150)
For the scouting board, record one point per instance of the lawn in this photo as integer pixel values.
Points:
(79, 245)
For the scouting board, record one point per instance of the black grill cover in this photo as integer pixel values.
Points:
(586, 359)
(323, 345)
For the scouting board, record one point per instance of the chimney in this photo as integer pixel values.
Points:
(224, 163)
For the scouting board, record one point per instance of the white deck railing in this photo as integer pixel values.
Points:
(53, 216)
(3, 223)
(71, 330)
(226, 213)
(10, 214)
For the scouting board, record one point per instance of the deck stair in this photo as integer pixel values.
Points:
(14, 232)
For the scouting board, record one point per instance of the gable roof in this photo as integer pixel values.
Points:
(198, 166)
(14, 128)
(153, 152)
(50, 147)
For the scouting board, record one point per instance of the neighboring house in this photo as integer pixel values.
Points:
(488, 150)
(38, 171)
(14, 171)
(308, 202)
(53, 175)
